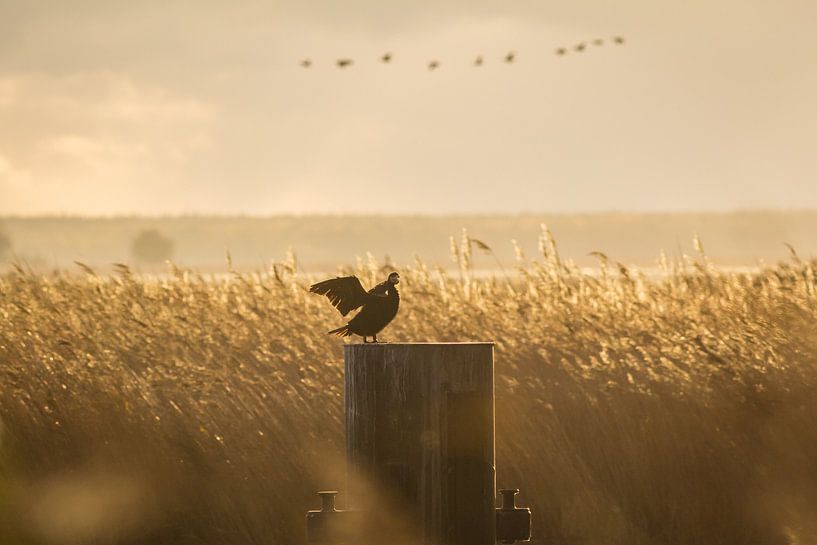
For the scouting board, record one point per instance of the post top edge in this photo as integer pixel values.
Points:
(448, 343)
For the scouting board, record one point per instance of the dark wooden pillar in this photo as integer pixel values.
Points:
(420, 441)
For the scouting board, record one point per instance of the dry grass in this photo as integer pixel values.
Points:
(200, 410)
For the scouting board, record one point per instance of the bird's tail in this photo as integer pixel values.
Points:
(341, 331)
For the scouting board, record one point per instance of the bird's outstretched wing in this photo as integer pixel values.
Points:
(345, 293)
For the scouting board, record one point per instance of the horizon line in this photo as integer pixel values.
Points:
(432, 215)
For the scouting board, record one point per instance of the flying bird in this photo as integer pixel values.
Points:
(598, 41)
(306, 63)
(618, 39)
(580, 47)
(343, 63)
(379, 304)
(433, 65)
(386, 57)
(478, 61)
(510, 56)
(561, 51)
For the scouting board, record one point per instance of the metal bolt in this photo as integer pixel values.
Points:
(328, 500)
(508, 499)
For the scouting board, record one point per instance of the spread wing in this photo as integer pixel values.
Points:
(346, 293)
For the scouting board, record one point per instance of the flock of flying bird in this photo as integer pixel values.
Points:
(509, 58)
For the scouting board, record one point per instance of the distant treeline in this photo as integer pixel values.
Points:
(321, 243)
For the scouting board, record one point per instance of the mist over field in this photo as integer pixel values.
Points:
(321, 243)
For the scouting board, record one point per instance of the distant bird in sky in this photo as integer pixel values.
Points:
(379, 304)
(479, 60)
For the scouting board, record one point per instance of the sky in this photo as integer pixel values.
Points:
(181, 106)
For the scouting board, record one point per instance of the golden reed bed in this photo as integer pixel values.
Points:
(208, 410)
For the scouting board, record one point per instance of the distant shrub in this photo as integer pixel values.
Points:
(151, 246)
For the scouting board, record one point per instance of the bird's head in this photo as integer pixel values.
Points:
(394, 279)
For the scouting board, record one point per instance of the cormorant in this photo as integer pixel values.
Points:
(618, 39)
(386, 57)
(343, 63)
(379, 304)
(306, 63)
(433, 65)
(561, 51)
(510, 56)
(478, 61)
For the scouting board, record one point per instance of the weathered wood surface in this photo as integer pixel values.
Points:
(420, 440)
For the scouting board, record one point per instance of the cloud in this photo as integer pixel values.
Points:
(94, 137)
(11, 177)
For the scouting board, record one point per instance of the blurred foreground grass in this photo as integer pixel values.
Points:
(209, 410)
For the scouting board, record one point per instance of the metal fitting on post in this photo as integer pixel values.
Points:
(328, 500)
(331, 525)
(512, 522)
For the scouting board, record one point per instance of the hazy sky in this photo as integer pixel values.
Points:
(172, 106)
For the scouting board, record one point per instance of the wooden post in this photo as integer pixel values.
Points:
(420, 441)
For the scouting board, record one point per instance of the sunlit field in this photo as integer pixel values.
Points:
(195, 409)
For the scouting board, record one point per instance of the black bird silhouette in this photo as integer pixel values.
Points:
(386, 57)
(478, 61)
(618, 39)
(433, 65)
(580, 47)
(561, 51)
(510, 56)
(379, 304)
(343, 63)
(306, 63)
(598, 41)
